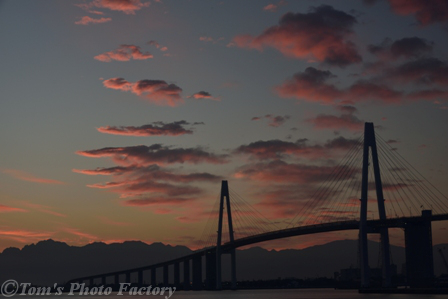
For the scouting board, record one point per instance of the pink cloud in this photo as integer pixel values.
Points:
(86, 20)
(320, 34)
(124, 53)
(24, 176)
(158, 92)
(155, 129)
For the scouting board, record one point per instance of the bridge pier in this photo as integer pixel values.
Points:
(210, 270)
(186, 275)
(140, 277)
(165, 275)
(419, 256)
(176, 274)
(197, 273)
(153, 277)
(103, 280)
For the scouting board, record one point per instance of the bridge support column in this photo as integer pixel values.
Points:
(103, 280)
(176, 274)
(153, 277)
(419, 257)
(197, 273)
(140, 277)
(117, 280)
(128, 277)
(225, 197)
(91, 282)
(186, 275)
(370, 143)
(210, 270)
(165, 275)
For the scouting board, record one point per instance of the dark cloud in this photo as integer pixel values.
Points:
(320, 34)
(409, 47)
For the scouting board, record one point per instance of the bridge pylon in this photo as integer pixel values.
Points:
(225, 197)
(370, 143)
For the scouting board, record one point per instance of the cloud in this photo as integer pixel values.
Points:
(318, 35)
(86, 20)
(157, 201)
(426, 71)
(272, 7)
(8, 209)
(312, 86)
(24, 236)
(124, 53)
(126, 6)
(154, 129)
(24, 176)
(409, 47)
(344, 121)
(279, 171)
(43, 209)
(107, 221)
(426, 12)
(203, 95)
(156, 91)
(274, 121)
(278, 149)
(155, 154)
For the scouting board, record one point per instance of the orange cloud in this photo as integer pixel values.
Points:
(24, 176)
(88, 20)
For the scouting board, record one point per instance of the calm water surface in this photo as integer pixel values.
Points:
(263, 294)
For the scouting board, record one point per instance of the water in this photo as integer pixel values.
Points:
(263, 294)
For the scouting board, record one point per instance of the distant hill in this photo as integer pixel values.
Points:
(50, 261)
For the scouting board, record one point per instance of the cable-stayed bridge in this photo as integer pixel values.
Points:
(340, 203)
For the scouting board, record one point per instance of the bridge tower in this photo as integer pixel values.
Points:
(370, 143)
(225, 196)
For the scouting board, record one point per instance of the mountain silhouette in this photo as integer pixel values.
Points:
(48, 262)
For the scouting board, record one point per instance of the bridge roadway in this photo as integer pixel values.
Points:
(373, 225)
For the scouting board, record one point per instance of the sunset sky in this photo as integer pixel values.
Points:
(120, 118)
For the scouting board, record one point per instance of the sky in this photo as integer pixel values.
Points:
(120, 118)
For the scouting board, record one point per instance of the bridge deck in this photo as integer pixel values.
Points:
(279, 234)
